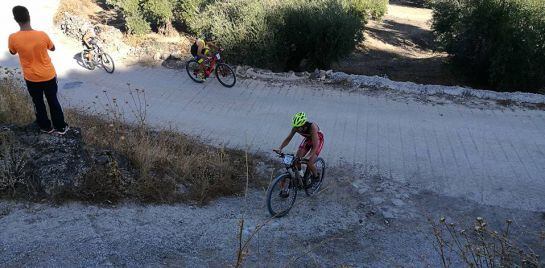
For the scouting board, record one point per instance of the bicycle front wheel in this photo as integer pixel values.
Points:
(281, 195)
(107, 63)
(226, 75)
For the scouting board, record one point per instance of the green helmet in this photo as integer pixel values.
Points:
(299, 119)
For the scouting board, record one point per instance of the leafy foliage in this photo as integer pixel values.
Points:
(500, 43)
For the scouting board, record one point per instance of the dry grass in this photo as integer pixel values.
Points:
(13, 162)
(83, 8)
(169, 166)
(166, 160)
(15, 104)
(480, 246)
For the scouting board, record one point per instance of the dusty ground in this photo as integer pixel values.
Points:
(401, 47)
(360, 220)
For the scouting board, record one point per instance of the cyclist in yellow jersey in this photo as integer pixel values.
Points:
(200, 51)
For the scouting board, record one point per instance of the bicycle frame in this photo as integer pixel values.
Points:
(213, 62)
(291, 167)
(97, 52)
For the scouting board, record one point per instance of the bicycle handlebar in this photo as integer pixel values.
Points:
(282, 155)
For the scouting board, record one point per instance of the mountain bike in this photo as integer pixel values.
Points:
(283, 189)
(99, 58)
(199, 72)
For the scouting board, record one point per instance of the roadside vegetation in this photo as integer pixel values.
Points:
(280, 35)
(162, 165)
(481, 246)
(497, 43)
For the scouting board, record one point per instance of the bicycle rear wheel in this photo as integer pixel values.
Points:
(226, 75)
(279, 203)
(193, 70)
(107, 63)
(316, 185)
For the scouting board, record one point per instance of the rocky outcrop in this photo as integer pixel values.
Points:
(109, 37)
(51, 166)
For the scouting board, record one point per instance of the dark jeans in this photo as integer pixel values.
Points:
(37, 91)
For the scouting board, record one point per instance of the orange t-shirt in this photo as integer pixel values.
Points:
(32, 48)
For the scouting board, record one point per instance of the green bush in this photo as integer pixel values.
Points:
(157, 12)
(282, 34)
(137, 25)
(500, 43)
(186, 13)
(320, 31)
(374, 9)
(141, 15)
(134, 19)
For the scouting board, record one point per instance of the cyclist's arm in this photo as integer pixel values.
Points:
(315, 140)
(86, 37)
(287, 139)
(200, 49)
(213, 47)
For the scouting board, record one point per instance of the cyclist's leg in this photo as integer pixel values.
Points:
(200, 69)
(303, 150)
(313, 158)
(90, 46)
(87, 49)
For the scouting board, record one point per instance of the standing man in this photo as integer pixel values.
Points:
(38, 71)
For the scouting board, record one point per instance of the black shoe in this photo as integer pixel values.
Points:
(316, 178)
(284, 193)
(311, 181)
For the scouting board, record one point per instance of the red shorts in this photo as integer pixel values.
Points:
(306, 144)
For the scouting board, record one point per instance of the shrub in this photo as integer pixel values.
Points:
(500, 43)
(137, 25)
(374, 9)
(318, 31)
(135, 22)
(157, 12)
(15, 103)
(281, 35)
(186, 13)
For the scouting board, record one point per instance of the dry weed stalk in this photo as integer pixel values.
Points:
(13, 162)
(15, 104)
(481, 247)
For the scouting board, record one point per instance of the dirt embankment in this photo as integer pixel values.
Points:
(401, 47)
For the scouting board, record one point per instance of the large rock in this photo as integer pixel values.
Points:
(53, 165)
(109, 37)
(56, 164)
